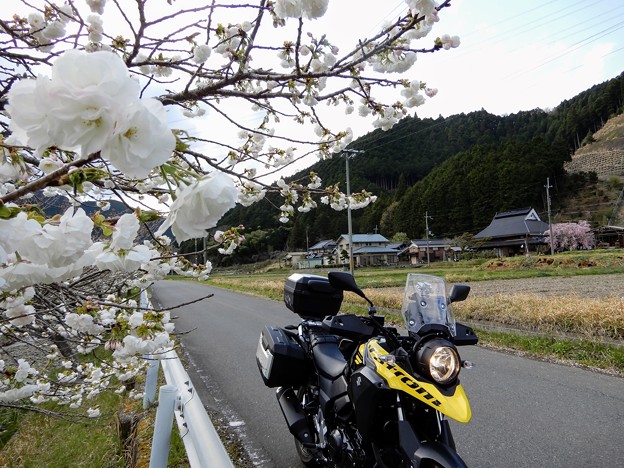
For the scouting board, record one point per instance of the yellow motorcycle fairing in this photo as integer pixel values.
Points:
(455, 406)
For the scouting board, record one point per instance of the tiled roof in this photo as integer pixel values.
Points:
(514, 223)
(325, 244)
(431, 242)
(362, 238)
(374, 249)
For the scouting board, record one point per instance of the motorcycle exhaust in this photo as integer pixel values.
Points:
(295, 417)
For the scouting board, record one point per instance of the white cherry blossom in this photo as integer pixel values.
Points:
(76, 106)
(122, 254)
(141, 140)
(123, 260)
(84, 323)
(36, 21)
(54, 30)
(91, 102)
(201, 53)
(97, 6)
(20, 315)
(95, 28)
(126, 230)
(16, 394)
(48, 165)
(9, 172)
(297, 8)
(58, 245)
(288, 8)
(250, 192)
(424, 7)
(199, 206)
(13, 231)
(449, 42)
(91, 113)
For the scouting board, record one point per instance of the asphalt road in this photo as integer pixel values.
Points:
(525, 413)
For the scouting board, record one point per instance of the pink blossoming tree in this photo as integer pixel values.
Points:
(571, 236)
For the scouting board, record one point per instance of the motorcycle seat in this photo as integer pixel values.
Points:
(327, 355)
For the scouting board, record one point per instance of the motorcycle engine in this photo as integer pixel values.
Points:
(345, 448)
(335, 441)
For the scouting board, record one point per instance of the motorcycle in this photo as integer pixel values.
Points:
(357, 393)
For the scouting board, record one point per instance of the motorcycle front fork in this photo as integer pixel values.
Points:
(441, 420)
(444, 434)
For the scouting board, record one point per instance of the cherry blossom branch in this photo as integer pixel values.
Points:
(72, 77)
(47, 179)
(194, 301)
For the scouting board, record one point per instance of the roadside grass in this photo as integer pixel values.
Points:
(43, 439)
(597, 356)
(46, 440)
(592, 318)
(10, 419)
(578, 330)
(586, 331)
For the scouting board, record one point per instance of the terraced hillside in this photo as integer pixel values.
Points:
(605, 155)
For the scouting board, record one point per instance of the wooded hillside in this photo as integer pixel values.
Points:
(459, 170)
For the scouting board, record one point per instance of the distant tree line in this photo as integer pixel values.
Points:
(459, 170)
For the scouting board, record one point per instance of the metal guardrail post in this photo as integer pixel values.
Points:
(151, 382)
(161, 440)
(202, 443)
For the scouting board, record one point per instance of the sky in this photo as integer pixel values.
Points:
(524, 55)
(516, 55)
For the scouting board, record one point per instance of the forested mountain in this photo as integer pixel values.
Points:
(458, 170)
(58, 204)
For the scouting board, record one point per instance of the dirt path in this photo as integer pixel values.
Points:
(586, 285)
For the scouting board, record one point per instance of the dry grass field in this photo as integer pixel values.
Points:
(591, 306)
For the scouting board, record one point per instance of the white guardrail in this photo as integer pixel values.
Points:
(179, 398)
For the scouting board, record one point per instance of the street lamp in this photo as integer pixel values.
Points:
(349, 153)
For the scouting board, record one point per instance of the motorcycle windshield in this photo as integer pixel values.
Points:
(425, 302)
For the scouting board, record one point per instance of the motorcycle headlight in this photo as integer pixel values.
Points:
(439, 360)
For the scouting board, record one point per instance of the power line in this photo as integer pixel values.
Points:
(530, 25)
(578, 45)
(517, 32)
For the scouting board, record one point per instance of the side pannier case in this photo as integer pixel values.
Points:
(311, 296)
(280, 358)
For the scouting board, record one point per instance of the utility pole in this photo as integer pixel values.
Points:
(349, 153)
(548, 186)
(427, 218)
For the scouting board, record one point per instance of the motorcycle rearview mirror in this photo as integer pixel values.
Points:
(346, 282)
(459, 292)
